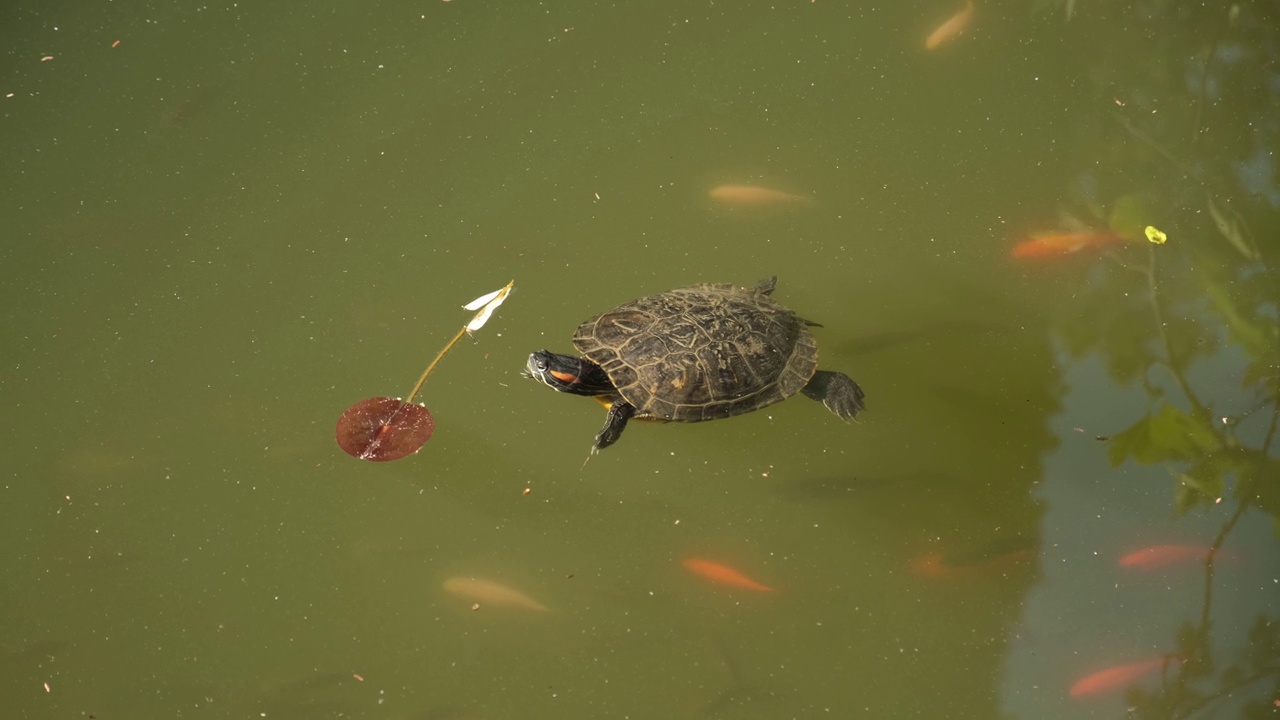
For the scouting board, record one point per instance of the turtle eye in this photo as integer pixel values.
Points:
(541, 365)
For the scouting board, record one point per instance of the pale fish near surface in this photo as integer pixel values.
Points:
(951, 28)
(754, 195)
(488, 592)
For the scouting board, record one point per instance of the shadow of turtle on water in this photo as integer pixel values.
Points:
(447, 712)
(741, 693)
(319, 695)
(952, 330)
(195, 102)
(825, 488)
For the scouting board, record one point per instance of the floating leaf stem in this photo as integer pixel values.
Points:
(383, 428)
(486, 305)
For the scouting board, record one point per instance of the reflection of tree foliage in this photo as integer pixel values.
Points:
(1115, 316)
(1258, 667)
(1209, 456)
(1211, 294)
(1191, 131)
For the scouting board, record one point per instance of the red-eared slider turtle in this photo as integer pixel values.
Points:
(698, 353)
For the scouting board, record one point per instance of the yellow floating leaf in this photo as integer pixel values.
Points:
(1155, 235)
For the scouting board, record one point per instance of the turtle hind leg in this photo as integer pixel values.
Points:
(766, 286)
(838, 392)
(614, 423)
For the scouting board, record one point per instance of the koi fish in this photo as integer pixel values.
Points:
(488, 592)
(995, 556)
(724, 574)
(754, 195)
(1046, 244)
(1158, 556)
(955, 25)
(1120, 676)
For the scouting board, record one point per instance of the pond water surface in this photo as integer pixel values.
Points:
(241, 218)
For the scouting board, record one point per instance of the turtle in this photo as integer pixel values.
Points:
(697, 353)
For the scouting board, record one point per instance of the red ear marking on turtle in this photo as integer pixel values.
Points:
(563, 376)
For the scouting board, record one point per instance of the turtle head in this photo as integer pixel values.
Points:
(567, 373)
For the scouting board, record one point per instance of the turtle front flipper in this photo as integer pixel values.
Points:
(616, 421)
(838, 392)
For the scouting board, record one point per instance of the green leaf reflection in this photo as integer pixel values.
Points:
(1169, 434)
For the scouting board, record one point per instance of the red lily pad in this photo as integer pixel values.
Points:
(383, 428)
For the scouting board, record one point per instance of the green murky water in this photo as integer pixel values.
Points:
(246, 217)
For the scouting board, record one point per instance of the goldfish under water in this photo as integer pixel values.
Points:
(1118, 677)
(754, 195)
(1158, 556)
(1062, 243)
(724, 574)
(488, 592)
(997, 556)
(952, 28)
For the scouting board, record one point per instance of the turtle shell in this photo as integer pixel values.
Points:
(702, 352)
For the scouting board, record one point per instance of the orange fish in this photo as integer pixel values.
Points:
(951, 28)
(1158, 556)
(724, 574)
(992, 557)
(488, 592)
(1118, 677)
(754, 195)
(1046, 244)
